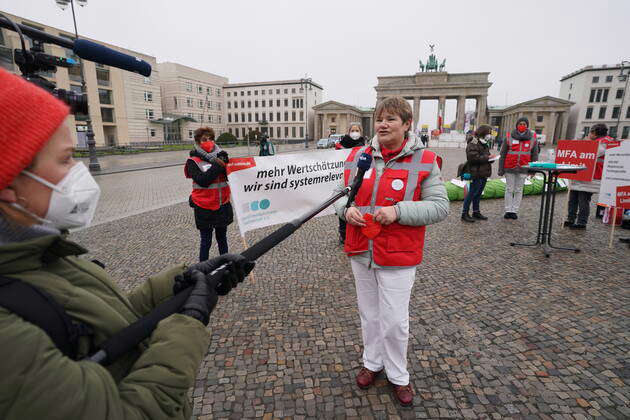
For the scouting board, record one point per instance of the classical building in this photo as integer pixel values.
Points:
(432, 82)
(191, 98)
(122, 104)
(599, 94)
(546, 115)
(282, 108)
(333, 117)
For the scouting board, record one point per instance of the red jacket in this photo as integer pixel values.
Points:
(397, 245)
(609, 143)
(214, 195)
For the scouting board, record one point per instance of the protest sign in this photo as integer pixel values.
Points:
(578, 152)
(276, 189)
(616, 173)
(623, 197)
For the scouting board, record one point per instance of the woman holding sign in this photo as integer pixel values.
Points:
(401, 193)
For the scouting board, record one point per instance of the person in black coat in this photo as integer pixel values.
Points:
(207, 220)
(354, 138)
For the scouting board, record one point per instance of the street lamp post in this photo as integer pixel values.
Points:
(305, 84)
(94, 165)
(625, 91)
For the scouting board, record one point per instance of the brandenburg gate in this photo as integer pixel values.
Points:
(432, 82)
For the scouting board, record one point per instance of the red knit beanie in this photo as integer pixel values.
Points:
(28, 117)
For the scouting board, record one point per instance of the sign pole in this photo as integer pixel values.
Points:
(613, 222)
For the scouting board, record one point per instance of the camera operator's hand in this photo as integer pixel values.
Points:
(237, 269)
(223, 156)
(202, 299)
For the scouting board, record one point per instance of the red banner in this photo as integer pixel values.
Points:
(578, 152)
(623, 197)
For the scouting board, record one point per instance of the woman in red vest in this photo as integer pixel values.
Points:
(210, 197)
(401, 193)
(518, 149)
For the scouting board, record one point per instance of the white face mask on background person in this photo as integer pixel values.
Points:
(73, 200)
(488, 137)
(355, 135)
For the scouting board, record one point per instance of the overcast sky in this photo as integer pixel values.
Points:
(526, 45)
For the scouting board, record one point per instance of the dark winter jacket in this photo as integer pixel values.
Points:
(348, 143)
(205, 218)
(477, 155)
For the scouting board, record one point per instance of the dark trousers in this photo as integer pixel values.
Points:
(474, 195)
(579, 206)
(206, 241)
(342, 230)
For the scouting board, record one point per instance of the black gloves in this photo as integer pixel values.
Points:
(202, 299)
(223, 156)
(237, 269)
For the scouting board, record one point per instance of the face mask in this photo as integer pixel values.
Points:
(73, 200)
(488, 137)
(355, 135)
(521, 128)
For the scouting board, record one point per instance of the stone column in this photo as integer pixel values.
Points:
(461, 113)
(532, 123)
(416, 113)
(551, 132)
(563, 127)
(323, 126)
(441, 106)
(483, 111)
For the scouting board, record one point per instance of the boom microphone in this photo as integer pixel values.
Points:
(364, 163)
(92, 51)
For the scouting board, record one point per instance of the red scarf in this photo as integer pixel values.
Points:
(389, 154)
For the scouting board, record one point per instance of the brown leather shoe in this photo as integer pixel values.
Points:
(365, 378)
(404, 394)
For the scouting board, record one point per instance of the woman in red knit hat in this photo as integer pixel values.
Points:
(44, 192)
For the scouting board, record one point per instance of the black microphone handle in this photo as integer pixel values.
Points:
(130, 336)
(356, 185)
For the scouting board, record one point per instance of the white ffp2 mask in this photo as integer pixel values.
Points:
(355, 135)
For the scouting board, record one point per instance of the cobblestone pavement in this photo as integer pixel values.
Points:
(496, 331)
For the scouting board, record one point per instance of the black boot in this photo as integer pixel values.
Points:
(567, 223)
(467, 218)
(478, 215)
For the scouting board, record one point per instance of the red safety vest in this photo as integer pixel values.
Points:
(214, 195)
(599, 163)
(397, 245)
(519, 153)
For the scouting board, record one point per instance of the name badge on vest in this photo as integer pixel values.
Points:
(397, 184)
(367, 174)
(514, 142)
(205, 166)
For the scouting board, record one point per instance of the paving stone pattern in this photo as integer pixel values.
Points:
(496, 331)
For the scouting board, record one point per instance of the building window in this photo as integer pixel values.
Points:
(107, 114)
(235, 104)
(218, 92)
(278, 93)
(249, 117)
(190, 134)
(277, 102)
(279, 119)
(199, 89)
(595, 79)
(589, 113)
(228, 95)
(230, 130)
(219, 119)
(285, 92)
(332, 119)
(249, 104)
(235, 117)
(539, 118)
(242, 117)
(624, 132)
(293, 91)
(242, 104)
(229, 105)
(209, 104)
(255, 104)
(569, 98)
(189, 102)
(615, 113)
(612, 132)
(105, 96)
(148, 96)
(619, 94)
(201, 118)
(149, 113)
(152, 132)
(598, 96)
(293, 132)
(175, 101)
(262, 92)
(271, 116)
(188, 86)
(301, 131)
(255, 93)
(263, 104)
(609, 79)
(242, 93)
(570, 86)
(249, 93)
(592, 97)
(605, 97)
(229, 118)
(585, 132)
(286, 131)
(147, 81)
(293, 116)
(189, 114)
(256, 116)
(264, 116)
(278, 130)
(218, 106)
(270, 91)
(628, 112)
(286, 102)
(200, 103)
(286, 116)
(602, 112)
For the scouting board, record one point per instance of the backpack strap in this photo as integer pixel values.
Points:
(36, 306)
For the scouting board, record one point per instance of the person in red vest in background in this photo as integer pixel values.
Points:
(519, 148)
(581, 191)
(401, 193)
(210, 197)
(354, 138)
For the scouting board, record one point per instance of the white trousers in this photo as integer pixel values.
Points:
(383, 297)
(513, 191)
